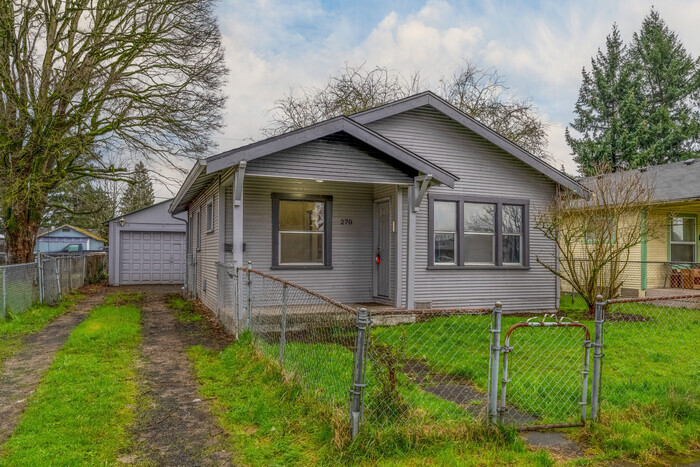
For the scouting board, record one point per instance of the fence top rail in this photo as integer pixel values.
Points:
(8, 266)
(434, 311)
(336, 303)
(547, 324)
(653, 299)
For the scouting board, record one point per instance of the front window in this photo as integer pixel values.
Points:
(301, 232)
(445, 235)
(600, 228)
(683, 235)
(468, 232)
(479, 233)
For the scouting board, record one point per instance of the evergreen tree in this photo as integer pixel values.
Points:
(606, 111)
(82, 203)
(139, 192)
(670, 83)
(640, 105)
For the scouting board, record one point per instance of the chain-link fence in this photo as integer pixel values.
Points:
(45, 280)
(395, 367)
(650, 361)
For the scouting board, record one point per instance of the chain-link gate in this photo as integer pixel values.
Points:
(544, 380)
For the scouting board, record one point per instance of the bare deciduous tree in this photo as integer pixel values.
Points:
(479, 93)
(83, 79)
(594, 237)
(482, 94)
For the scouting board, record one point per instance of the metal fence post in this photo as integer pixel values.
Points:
(597, 356)
(236, 298)
(58, 277)
(358, 372)
(495, 354)
(283, 323)
(41, 276)
(249, 285)
(4, 295)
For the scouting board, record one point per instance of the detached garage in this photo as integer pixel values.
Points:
(147, 247)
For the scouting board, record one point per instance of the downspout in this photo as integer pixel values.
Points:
(187, 250)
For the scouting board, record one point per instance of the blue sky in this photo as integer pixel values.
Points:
(539, 47)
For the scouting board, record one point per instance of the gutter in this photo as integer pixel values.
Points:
(199, 167)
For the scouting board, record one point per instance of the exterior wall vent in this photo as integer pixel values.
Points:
(204, 285)
(424, 305)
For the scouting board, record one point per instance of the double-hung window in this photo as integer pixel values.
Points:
(682, 239)
(478, 232)
(210, 216)
(301, 230)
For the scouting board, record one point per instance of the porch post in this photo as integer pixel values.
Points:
(411, 248)
(237, 217)
(398, 293)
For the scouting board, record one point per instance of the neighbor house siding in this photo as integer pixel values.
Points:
(208, 254)
(484, 170)
(336, 157)
(350, 278)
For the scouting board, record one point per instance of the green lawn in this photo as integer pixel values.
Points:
(274, 419)
(649, 396)
(80, 411)
(17, 326)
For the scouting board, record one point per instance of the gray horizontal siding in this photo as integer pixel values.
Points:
(350, 280)
(336, 157)
(484, 170)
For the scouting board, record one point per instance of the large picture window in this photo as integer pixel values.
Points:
(682, 239)
(478, 232)
(301, 230)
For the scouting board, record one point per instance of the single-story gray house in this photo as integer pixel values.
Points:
(412, 204)
(147, 246)
(68, 239)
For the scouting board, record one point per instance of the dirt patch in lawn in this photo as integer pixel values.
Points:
(22, 372)
(174, 426)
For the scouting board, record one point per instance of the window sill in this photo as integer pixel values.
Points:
(299, 268)
(478, 268)
(210, 231)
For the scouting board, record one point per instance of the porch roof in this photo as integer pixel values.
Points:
(335, 125)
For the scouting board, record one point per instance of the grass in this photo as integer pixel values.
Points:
(80, 411)
(18, 326)
(273, 420)
(184, 309)
(650, 399)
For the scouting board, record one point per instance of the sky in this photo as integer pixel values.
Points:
(539, 47)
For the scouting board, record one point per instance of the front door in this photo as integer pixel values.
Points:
(382, 249)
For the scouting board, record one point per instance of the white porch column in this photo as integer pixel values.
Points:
(238, 213)
(411, 248)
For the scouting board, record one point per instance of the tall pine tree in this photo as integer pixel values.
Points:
(670, 83)
(606, 111)
(139, 192)
(640, 105)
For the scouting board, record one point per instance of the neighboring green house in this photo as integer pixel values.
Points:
(68, 239)
(669, 259)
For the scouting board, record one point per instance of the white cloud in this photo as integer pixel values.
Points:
(273, 46)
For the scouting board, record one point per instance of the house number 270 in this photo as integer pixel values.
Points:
(345, 221)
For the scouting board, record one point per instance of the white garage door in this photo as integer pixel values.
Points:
(152, 258)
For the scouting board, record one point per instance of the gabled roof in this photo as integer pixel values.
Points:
(325, 128)
(428, 98)
(677, 181)
(77, 229)
(137, 210)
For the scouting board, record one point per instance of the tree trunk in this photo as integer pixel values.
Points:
(21, 235)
